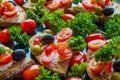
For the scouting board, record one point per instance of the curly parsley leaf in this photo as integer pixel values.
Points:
(77, 43)
(112, 26)
(47, 75)
(77, 70)
(104, 54)
(17, 36)
(114, 43)
(32, 15)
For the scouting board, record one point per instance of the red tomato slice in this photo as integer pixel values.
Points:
(28, 26)
(108, 67)
(5, 58)
(48, 2)
(10, 13)
(54, 5)
(47, 59)
(5, 36)
(31, 73)
(2, 9)
(64, 52)
(96, 67)
(19, 2)
(95, 36)
(64, 34)
(66, 17)
(65, 2)
(36, 41)
(74, 78)
(49, 48)
(95, 44)
(78, 57)
(87, 6)
(9, 6)
(47, 24)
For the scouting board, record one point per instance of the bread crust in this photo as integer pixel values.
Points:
(16, 70)
(15, 20)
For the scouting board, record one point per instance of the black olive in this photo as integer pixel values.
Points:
(108, 11)
(116, 65)
(47, 39)
(13, 2)
(18, 54)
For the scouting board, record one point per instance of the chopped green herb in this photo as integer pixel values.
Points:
(47, 75)
(77, 43)
(76, 1)
(2, 50)
(77, 69)
(17, 36)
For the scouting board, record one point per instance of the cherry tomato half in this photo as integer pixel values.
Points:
(5, 58)
(28, 26)
(64, 51)
(95, 36)
(31, 73)
(65, 2)
(96, 67)
(87, 6)
(47, 59)
(64, 34)
(10, 13)
(78, 57)
(66, 17)
(4, 36)
(49, 48)
(36, 41)
(19, 2)
(54, 5)
(95, 44)
(74, 78)
(108, 67)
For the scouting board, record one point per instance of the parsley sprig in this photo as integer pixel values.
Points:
(77, 69)
(17, 36)
(47, 75)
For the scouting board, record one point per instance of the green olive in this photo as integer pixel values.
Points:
(36, 49)
(115, 76)
(48, 31)
(98, 10)
(8, 50)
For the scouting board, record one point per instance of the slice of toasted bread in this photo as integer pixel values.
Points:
(28, 5)
(15, 20)
(57, 65)
(16, 70)
(97, 77)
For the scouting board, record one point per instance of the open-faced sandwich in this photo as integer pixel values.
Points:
(11, 14)
(12, 63)
(103, 8)
(51, 52)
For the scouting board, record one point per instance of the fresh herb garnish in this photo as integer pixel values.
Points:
(114, 43)
(77, 69)
(2, 50)
(31, 14)
(47, 75)
(76, 1)
(17, 36)
(109, 51)
(112, 26)
(77, 43)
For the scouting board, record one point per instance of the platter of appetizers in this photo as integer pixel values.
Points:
(59, 40)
